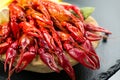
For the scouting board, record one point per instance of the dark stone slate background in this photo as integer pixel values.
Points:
(107, 14)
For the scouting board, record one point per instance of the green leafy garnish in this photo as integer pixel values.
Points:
(87, 11)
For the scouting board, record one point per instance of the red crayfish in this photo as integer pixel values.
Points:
(46, 28)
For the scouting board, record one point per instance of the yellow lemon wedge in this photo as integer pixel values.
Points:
(4, 3)
(4, 13)
(56, 0)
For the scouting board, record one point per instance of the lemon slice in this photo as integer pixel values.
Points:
(56, 0)
(4, 16)
(4, 3)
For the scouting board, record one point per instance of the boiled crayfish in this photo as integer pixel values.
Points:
(48, 29)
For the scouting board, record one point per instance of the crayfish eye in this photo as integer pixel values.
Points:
(20, 19)
(26, 7)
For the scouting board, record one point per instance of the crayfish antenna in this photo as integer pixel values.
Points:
(93, 36)
(5, 65)
(10, 64)
(91, 27)
(10, 73)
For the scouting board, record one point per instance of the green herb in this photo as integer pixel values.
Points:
(87, 11)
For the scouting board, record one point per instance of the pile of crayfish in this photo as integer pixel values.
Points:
(49, 30)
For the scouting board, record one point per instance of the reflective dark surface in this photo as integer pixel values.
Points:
(107, 14)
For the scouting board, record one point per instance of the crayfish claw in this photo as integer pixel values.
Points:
(96, 61)
(48, 59)
(79, 55)
(30, 29)
(25, 59)
(11, 55)
(49, 39)
(64, 63)
(5, 45)
(21, 67)
(75, 32)
(51, 31)
(90, 52)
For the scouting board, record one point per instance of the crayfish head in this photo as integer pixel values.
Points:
(57, 11)
(65, 36)
(16, 12)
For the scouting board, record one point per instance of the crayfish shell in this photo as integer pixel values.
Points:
(38, 66)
